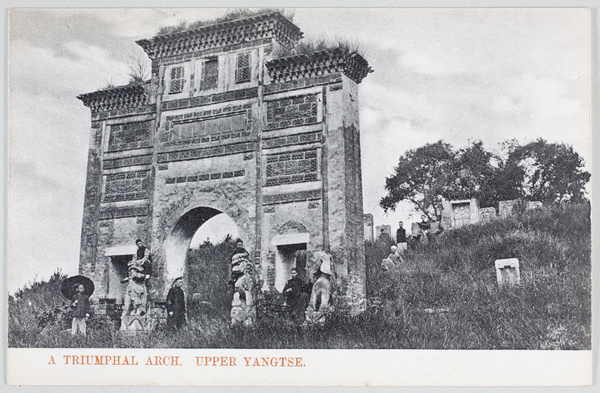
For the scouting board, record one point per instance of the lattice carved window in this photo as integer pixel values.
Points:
(126, 186)
(294, 167)
(128, 136)
(176, 85)
(242, 69)
(210, 75)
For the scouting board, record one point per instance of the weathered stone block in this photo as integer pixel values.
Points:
(507, 272)
(507, 208)
(534, 205)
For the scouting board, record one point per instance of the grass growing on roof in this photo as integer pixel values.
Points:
(234, 14)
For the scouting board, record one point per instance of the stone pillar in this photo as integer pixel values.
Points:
(346, 231)
(91, 206)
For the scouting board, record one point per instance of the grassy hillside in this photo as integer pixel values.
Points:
(444, 296)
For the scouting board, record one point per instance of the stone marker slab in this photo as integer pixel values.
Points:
(507, 272)
(133, 324)
(534, 205)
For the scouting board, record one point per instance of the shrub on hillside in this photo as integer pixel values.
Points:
(36, 309)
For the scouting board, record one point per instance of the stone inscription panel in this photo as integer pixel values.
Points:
(129, 136)
(126, 186)
(214, 151)
(205, 177)
(292, 112)
(299, 196)
(129, 161)
(290, 140)
(293, 167)
(220, 124)
(202, 130)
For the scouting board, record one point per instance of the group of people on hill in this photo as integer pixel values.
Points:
(421, 233)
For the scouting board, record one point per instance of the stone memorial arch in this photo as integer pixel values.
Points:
(225, 126)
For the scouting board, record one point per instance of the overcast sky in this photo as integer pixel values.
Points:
(457, 75)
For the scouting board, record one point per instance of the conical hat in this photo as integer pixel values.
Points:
(66, 288)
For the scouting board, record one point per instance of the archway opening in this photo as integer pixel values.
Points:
(199, 249)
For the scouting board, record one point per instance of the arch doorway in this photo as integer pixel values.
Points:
(199, 248)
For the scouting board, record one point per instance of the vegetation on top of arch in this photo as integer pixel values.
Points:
(310, 46)
(235, 14)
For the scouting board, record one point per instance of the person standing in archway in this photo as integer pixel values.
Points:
(176, 306)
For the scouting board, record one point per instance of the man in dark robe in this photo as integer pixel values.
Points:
(176, 306)
(296, 296)
(384, 238)
(401, 242)
(140, 267)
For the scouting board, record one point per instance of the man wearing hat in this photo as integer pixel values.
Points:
(81, 309)
(176, 305)
(141, 265)
(78, 289)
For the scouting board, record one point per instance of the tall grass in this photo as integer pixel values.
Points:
(444, 296)
(447, 296)
(207, 278)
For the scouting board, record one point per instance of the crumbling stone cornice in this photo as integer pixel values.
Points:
(273, 25)
(120, 97)
(323, 62)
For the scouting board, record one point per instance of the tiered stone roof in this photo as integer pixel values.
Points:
(319, 63)
(260, 27)
(121, 97)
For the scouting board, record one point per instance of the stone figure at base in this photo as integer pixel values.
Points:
(243, 308)
(139, 270)
(239, 255)
(136, 298)
(319, 304)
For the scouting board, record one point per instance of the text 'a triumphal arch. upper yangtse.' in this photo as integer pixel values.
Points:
(226, 125)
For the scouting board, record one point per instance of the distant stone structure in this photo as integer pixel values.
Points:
(225, 127)
(533, 205)
(487, 213)
(507, 208)
(456, 214)
(507, 272)
(368, 226)
(415, 229)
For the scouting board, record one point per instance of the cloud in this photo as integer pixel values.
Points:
(80, 69)
(489, 74)
(145, 23)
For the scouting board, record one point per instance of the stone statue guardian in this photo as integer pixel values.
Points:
(320, 297)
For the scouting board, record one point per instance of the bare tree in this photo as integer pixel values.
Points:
(139, 68)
